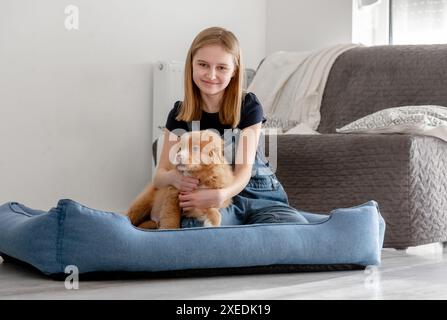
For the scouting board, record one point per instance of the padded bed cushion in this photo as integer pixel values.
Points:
(97, 241)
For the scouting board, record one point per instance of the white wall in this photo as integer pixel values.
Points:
(302, 25)
(75, 105)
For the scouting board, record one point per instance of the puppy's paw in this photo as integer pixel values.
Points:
(209, 223)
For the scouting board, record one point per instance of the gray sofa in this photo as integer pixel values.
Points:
(405, 174)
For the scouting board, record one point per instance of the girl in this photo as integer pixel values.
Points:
(214, 97)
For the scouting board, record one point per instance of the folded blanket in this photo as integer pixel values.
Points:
(290, 85)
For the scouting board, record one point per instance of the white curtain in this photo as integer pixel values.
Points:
(419, 21)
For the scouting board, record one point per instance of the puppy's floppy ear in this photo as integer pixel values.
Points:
(214, 155)
(214, 147)
(216, 152)
(213, 151)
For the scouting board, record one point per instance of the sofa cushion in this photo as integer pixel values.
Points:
(364, 80)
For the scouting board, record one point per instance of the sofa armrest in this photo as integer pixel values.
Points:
(428, 190)
(328, 171)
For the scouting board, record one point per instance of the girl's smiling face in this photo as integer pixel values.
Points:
(213, 68)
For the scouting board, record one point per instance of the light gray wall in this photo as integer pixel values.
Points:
(75, 105)
(302, 25)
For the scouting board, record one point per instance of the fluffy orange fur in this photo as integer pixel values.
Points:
(212, 170)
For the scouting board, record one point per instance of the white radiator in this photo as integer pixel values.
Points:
(167, 89)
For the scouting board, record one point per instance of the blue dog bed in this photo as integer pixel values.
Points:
(98, 241)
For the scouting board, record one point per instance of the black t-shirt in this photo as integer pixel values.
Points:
(251, 113)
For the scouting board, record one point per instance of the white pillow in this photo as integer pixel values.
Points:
(430, 120)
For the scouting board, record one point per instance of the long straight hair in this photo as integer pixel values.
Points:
(230, 112)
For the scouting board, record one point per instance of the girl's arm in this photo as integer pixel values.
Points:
(165, 175)
(245, 157)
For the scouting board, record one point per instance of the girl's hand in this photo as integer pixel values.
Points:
(202, 199)
(184, 184)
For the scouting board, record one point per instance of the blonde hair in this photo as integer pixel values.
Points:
(230, 112)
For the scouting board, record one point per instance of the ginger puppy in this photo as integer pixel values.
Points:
(199, 154)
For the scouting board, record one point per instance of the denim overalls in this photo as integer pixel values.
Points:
(263, 200)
